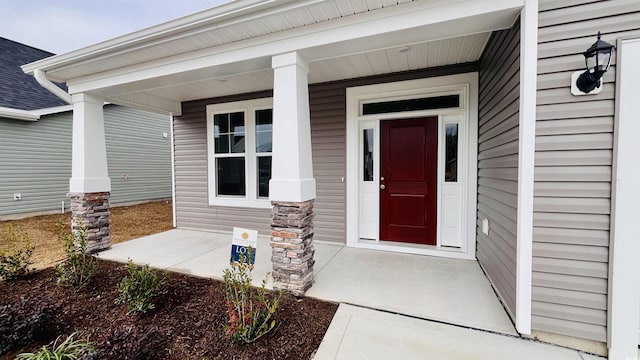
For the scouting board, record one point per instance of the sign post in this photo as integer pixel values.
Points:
(243, 245)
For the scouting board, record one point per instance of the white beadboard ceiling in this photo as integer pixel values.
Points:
(452, 51)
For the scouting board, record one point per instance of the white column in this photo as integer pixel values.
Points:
(291, 170)
(624, 248)
(89, 153)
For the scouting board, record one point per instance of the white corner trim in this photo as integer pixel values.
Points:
(526, 163)
(624, 290)
(173, 173)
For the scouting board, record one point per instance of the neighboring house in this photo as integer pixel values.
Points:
(444, 128)
(35, 144)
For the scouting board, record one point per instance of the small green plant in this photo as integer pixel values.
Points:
(140, 288)
(16, 258)
(79, 266)
(69, 349)
(249, 309)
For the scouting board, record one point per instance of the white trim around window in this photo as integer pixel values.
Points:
(251, 197)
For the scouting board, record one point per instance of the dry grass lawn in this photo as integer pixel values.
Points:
(127, 222)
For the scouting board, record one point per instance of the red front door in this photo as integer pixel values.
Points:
(408, 180)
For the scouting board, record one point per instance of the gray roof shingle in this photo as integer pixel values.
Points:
(17, 89)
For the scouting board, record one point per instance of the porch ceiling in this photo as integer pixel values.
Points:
(228, 50)
(450, 51)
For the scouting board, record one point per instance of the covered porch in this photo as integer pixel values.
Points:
(451, 291)
(315, 65)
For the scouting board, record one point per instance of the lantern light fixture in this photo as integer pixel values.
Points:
(597, 61)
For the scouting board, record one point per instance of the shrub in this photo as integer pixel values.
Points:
(16, 259)
(139, 289)
(128, 342)
(69, 349)
(79, 266)
(249, 309)
(24, 321)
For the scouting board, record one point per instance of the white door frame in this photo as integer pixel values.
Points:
(467, 114)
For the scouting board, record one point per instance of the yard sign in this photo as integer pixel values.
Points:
(242, 240)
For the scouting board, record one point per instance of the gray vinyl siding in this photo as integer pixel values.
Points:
(191, 184)
(327, 105)
(498, 133)
(136, 147)
(574, 140)
(36, 160)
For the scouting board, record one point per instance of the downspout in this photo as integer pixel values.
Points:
(41, 78)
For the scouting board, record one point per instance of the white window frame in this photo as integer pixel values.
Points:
(250, 199)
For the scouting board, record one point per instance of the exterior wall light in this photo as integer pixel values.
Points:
(597, 60)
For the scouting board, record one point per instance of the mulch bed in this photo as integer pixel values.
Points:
(186, 324)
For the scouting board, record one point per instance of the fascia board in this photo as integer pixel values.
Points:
(159, 33)
(384, 21)
(18, 114)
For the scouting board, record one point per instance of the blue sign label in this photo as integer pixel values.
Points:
(239, 252)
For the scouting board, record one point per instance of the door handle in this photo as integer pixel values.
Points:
(382, 187)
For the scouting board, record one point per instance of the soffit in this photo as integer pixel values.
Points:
(457, 50)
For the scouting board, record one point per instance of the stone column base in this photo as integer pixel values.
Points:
(91, 210)
(292, 246)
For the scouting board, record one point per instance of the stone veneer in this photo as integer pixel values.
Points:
(292, 246)
(92, 211)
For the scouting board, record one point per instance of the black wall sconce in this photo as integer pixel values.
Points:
(597, 60)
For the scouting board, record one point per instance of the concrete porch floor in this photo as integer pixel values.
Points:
(392, 305)
(448, 290)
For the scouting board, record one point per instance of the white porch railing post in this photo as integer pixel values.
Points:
(292, 188)
(90, 186)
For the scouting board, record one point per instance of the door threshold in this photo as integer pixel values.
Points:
(416, 249)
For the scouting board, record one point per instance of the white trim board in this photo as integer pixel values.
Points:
(526, 163)
(464, 84)
(624, 289)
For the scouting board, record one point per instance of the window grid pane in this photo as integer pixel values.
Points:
(451, 153)
(229, 133)
(264, 175)
(230, 176)
(264, 130)
(367, 142)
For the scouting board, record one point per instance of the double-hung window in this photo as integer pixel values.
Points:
(239, 141)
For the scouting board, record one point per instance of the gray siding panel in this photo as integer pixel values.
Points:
(136, 147)
(574, 141)
(36, 160)
(498, 161)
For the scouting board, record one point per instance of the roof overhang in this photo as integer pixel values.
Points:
(159, 67)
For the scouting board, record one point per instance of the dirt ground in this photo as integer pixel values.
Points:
(186, 324)
(127, 222)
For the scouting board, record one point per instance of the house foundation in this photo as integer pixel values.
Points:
(91, 211)
(292, 246)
